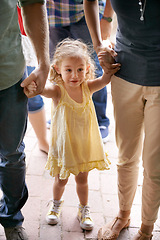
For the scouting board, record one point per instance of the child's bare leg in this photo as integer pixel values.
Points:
(84, 218)
(58, 187)
(55, 210)
(82, 187)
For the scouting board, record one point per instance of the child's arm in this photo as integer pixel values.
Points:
(52, 91)
(99, 83)
(110, 68)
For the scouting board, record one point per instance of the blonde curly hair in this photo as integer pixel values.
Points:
(74, 48)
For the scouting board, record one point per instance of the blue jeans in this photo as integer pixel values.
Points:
(36, 103)
(13, 122)
(80, 30)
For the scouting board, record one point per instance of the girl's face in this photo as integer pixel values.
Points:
(73, 71)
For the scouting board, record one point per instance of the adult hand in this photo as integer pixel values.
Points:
(106, 57)
(39, 76)
(105, 45)
(107, 61)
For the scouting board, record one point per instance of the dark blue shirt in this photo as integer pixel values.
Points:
(138, 42)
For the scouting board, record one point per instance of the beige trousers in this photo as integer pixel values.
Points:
(137, 118)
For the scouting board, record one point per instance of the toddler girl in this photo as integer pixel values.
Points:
(75, 146)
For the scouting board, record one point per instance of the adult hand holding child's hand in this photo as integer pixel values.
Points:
(106, 58)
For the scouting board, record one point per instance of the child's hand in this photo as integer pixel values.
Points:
(108, 63)
(30, 89)
(39, 76)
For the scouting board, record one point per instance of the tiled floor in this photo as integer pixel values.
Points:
(102, 195)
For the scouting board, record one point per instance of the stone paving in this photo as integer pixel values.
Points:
(102, 195)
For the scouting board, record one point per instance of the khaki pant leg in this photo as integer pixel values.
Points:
(151, 156)
(128, 111)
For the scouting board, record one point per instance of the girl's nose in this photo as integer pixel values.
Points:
(75, 73)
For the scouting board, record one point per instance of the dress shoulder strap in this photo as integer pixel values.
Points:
(86, 89)
(60, 85)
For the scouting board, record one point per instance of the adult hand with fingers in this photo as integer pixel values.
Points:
(30, 89)
(107, 61)
(39, 76)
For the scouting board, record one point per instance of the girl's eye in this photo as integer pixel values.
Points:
(68, 70)
(80, 69)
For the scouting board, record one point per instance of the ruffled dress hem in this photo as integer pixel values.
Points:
(64, 173)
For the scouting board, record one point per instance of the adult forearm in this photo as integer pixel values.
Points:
(36, 27)
(106, 21)
(108, 11)
(91, 10)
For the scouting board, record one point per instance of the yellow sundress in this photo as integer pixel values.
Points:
(76, 145)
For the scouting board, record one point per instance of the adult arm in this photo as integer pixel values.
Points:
(106, 26)
(91, 11)
(36, 27)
